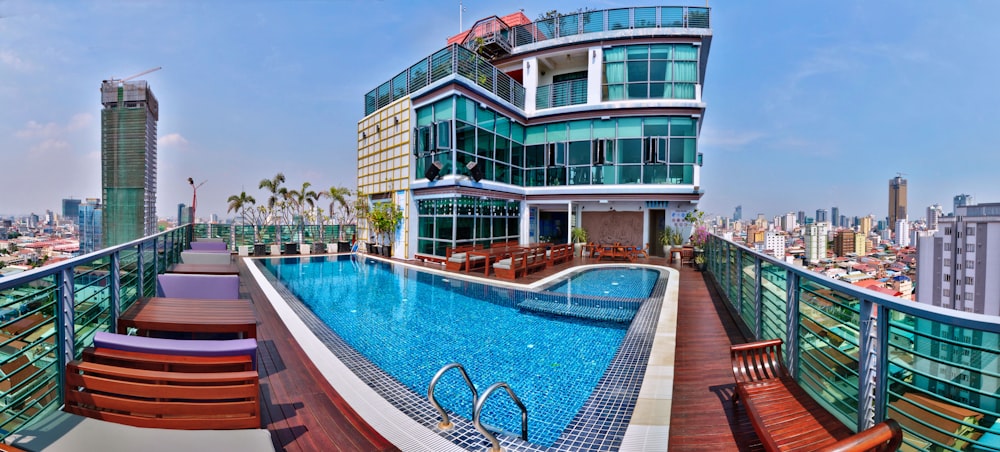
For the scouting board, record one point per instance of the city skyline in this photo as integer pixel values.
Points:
(827, 100)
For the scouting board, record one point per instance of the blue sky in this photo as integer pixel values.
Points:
(810, 104)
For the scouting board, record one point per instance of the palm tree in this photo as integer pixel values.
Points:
(275, 201)
(241, 203)
(299, 199)
(339, 196)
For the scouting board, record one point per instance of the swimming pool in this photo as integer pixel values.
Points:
(415, 322)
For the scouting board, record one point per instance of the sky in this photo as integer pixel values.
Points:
(810, 104)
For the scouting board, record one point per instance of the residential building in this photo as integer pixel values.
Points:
(933, 215)
(70, 209)
(957, 266)
(835, 217)
(506, 134)
(789, 222)
(902, 232)
(800, 217)
(865, 225)
(738, 213)
(128, 160)
(815, 244)
(774, 242)
(821, 215)
(846, 242)
(91, 225)
(962, 201)
(897, 199)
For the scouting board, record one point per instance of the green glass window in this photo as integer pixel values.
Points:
(484, 143)
(425, 116)
(517, 132)
(486, 118)
(443, 109)
(465, 110)
(465, 137)
(534, 135)
(682, 126)
(629, 127)
(629, 151)
(502, 126)
(654, 71)
(555, 132)
(579, 130)
(656, 127)
(604, 129)
(579, 152)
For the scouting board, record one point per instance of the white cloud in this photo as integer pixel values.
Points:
(34, 129)
(79, 121)
(173, 139)
(11, 59)
(49, 146)
(729, 139)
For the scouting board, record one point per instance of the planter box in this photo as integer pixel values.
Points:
(343, 247)
(276, 250)
(291, 248)
(244, 250)
(259, 249)
(305, 249)
(319, 248)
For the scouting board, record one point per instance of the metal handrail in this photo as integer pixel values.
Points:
(445, 423)
(479, 408)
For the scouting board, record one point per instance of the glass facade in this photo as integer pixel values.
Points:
(465, 220)
(654, 71)
(457, 131)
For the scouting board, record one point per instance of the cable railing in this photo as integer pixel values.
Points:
(866, 356)
(248, 235)
(561, 94)
(50, 314)
(453, 59)
(611, 20)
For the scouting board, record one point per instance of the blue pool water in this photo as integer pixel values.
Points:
(411, 323)
(619, 282)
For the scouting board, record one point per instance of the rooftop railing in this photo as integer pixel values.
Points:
(610, 20)
(561, 94)
(450, 60)
(866, 356)
(50, 314)
(240, 235)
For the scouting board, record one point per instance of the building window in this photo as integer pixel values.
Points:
(947, 247)
(947, 263)
(947, 230)
(970, 296)
(947, 277)
(970, 231)
(970, 247)
(970, 264)
(946, 292)
(969, 280)
(656, 71)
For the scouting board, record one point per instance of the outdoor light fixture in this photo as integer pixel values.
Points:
(433, 170)
(475, 171)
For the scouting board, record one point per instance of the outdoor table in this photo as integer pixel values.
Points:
(184, 315)
(490, 255)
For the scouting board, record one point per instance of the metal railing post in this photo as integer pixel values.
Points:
(116, 291)
(882, 378)
(140, 274)
(869, 364)
(65, 332)
(739, 281)
(758, 301)
(792, 322)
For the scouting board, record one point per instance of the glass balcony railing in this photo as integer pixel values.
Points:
(561, 94)
(238, 235)
(865, 356)
(450, 60)
(611, 20)
(50, 314)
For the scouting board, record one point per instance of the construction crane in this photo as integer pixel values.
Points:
(120, 81)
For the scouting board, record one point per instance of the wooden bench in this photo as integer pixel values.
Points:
(536, 259)
(784, 416)
(456, 259)
(559, 254)
(512, 267)
(119, 387)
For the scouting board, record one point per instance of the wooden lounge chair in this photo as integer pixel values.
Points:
(456, 259)
(178, 347)
(205, 287)
(784, 416)
(206, 257)
(512, 267)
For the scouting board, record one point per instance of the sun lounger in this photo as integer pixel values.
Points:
(182, 347)
(208, 246)
(205, 257)
(209, 287)
(63, 431)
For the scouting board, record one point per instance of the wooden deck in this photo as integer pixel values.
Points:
(304, 413)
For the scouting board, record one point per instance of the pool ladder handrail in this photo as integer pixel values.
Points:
(479, 408)
(445, 423)
(477, 405)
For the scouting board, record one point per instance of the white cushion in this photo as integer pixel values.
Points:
(478, 258)
(459, 255)
(503, 262)
(502, 266)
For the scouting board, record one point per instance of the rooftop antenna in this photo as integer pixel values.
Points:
(461, 9)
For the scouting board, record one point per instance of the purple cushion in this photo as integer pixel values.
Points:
(177, 347)
(208, 246)
(209, 287)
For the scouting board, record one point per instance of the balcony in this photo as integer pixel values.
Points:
(561, 94)
(635, 18)
(861, 355)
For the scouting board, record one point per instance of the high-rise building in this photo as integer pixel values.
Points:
(897, 200)
(903, 232)
(815, 243)
(933, 215)
(89, 219)
(865, 225)
(800, 218)
(738, 213)
(961, 201)
(774, 241)
(957, 266)
(821, 215)
(595, 127)
(128, 160)
(844, 242)
(71, 209)
(835, 219)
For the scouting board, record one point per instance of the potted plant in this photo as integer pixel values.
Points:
(242, 203)
(669, 238)
(579, 237)
(699, 261)
(384, 219)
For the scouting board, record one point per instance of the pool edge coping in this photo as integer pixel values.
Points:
(647, 430)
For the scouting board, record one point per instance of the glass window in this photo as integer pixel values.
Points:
(465, 137)
(517, 132)
(660, 51)
(443, 109)
(517, 154)
(443, 134)
(465, 109)
(630, 151)
(685, 52)
(534, 135)
(485, 117)
(604, 129)
(502, 149)
(637, 71)
(629, 174)
(682, 127)
(503, 126)
(656, 127)
(484, 146)
(629, 127)
(579, 130)
(534, 156)
(640, 52)
(556, 132)
(425, 116)
(579, 152)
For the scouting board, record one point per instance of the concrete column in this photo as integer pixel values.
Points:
(530, 82)
(595, 59)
